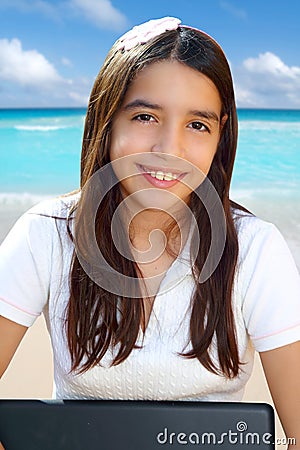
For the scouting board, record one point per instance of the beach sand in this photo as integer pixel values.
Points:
(31, 371)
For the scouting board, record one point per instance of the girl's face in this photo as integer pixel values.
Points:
(167, 128)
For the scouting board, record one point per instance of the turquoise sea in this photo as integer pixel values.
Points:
(40, 153)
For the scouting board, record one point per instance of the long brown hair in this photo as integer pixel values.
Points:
(96, 318)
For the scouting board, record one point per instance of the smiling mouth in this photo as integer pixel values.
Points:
(162, 175)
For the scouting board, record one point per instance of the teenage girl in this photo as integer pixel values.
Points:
(153, 283)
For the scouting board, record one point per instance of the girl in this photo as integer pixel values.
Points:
(154, 284)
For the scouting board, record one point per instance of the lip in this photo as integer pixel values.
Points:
(160, 183)
(161, 169)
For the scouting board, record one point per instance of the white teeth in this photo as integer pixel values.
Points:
(162, 176)
(168, 176)
(159, 175)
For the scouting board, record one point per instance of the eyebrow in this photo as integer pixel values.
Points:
(141, 103)
(209, 115)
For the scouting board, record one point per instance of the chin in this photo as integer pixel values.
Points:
(155, 199)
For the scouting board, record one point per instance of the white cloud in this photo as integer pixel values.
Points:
(245, 97)
(79, 99)
(271, 64)
(26, 67)
(267, 82)
(28, 79)
(237, 12)
(31, 6)
(101, 13)
(66, 62)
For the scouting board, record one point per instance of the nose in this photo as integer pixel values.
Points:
(169, 140)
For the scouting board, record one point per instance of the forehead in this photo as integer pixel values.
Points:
(173, 83)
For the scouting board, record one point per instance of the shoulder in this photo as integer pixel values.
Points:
(263, 252)
(58, 207)
(255, 234)
(44, 222)
(34, 254)
(267, 284)
(264, 256)
(49, 215)
(247, 223)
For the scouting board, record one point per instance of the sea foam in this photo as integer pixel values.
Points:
(39, 127)
(21, 200)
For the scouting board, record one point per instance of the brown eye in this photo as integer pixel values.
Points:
(199, 126)
(143, 117)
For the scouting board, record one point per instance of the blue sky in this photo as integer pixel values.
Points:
(51, 50)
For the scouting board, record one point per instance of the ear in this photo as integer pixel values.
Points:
(223, 121)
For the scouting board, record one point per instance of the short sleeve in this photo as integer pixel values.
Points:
(270, 289)
(25, 268)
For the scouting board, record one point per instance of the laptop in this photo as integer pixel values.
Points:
(135, 425)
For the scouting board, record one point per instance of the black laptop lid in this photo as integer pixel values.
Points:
(134, 425)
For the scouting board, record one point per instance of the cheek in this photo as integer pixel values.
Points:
(123, 145)
(118, 142)
(117, 147)
(203, 156)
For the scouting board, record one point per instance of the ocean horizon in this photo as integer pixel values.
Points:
(40, 158)
(40, 150)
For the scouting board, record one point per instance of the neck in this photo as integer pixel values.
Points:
(154, 231)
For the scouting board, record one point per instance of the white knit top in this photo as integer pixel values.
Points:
(34, 268)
